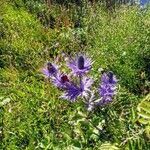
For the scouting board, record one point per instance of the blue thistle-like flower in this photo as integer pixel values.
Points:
(61, 81)
(73, 91)
(50, 70)
(85, 85)
(80, 65)
(107, 88)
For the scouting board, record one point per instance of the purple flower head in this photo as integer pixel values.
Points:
(107, 88)
(50, 70)
(80, 87)
(85, 85)
(108, 78)
(61, 80)
(81, 62)
(73, 91)
(80, 65)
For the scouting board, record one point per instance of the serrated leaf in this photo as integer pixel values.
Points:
(144, 110)
(144, 115)
(143, 121)
(147, 131)
(145, 103)
(108, 146)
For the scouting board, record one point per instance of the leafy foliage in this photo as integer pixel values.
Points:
(144, 110)
(144, 114)
(108, 146)
(31, 114)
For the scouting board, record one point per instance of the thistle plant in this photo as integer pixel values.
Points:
(81, 85)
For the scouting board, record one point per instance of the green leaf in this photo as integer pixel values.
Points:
(144, 110)
(108, 146)
(143, 121)
(144, 114)
(147, 131)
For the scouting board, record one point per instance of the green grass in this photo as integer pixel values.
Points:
(32, 116)
(120, 42)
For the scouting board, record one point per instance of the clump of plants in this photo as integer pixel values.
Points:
(78, 84)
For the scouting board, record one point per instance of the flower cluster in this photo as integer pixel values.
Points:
(107, 87)
(80, 66)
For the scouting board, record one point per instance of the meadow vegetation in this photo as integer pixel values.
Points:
(32, 116)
